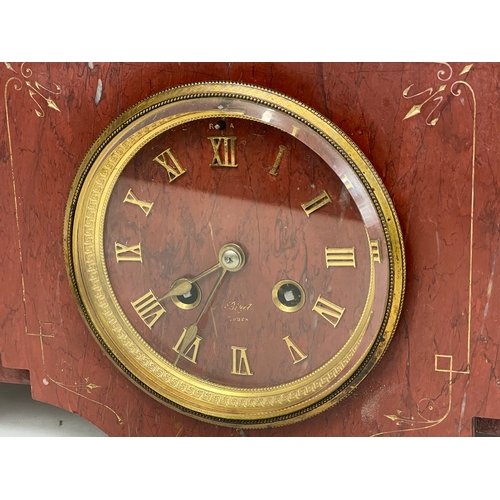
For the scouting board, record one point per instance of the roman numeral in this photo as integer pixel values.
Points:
(145, 206)
(224, 151)
(295, 352)
(240, 361)
(340, 257)
(191, 353)
(128, 254)
(274, 170)
(148, 308)
(346, 181)
(170, 163)
(375, 249)
(328, 310)
(316, 203)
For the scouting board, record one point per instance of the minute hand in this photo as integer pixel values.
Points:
(192, 330)
(232, 259)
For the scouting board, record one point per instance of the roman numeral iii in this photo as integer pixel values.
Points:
(340, 257)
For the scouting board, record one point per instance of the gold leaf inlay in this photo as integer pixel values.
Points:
(415, 110)
(466, 69)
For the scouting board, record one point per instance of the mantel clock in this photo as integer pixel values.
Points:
(234, 254)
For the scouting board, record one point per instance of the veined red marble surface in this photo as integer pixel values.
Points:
(430, 130)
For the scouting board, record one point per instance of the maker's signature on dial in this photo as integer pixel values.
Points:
(236, 308)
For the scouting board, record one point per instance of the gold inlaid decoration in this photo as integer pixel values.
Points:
(39, 94)
(456, 91)
(444, 363)
(442, 75)
(18, 81)
(426, 406)
(46, 330)
(36, 90)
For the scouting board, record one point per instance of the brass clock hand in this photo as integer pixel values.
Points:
(192, 330)
(184, 285)
(231, 258)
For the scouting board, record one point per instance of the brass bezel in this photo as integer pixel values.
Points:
(83, 250)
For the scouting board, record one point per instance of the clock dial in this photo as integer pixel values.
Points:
(232, 259)
(300, 229)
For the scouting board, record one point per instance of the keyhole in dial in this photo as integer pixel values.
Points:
(189, 300)
(220, 125)
(288, 296)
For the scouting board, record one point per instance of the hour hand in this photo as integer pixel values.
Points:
(231, 258)
(184, 285)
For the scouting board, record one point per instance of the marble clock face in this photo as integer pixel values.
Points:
(240, 263)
